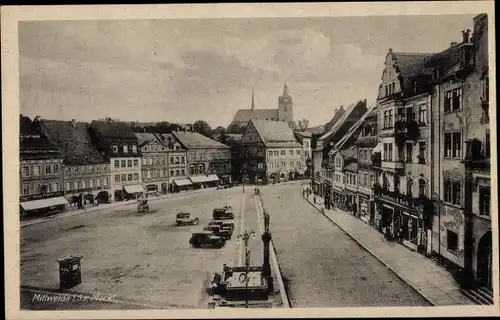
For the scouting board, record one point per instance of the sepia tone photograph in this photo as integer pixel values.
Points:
(272, 162)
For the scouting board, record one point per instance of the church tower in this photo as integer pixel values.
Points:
(285, 106)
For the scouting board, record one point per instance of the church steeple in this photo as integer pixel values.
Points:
(285, 90)
(253, 101)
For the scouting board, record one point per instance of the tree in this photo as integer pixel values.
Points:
(219, 130)
(202, 127)
(237, 127)
(293, 125)
(303, 124)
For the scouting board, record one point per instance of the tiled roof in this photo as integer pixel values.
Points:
(275, 133)
(233, 136)
(336, 116)
(262, 114)
(349, 153)
(33, 143)
(144, 138)
(194, 140)
(410, 65)
(355, 129)
(304, 134)
(351, 166)
(340, 121)
(73, 140)
(444, 60)
(113, 129)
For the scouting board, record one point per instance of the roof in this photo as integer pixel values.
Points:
(351, 166)
(247, 114)
(275, 133)
(348, 111)
(232, 137)
(349, 153)
(444, 60)
(74, 141)
(304, 134)
(355, 128)
(112, 129)
(145, 138)
(409, 66)
(336, 116)
(194, 140)
(33, 143)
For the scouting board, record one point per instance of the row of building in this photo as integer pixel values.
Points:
(416, 164)
(74, 162)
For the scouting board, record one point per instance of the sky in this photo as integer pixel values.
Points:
(183, 70)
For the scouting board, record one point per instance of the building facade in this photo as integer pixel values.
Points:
(116, 142)
(177, 165)
(86, 173)
(305, 138)
(154, 163)
(41, 165)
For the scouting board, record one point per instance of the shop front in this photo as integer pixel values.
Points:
(43, 203)
(133, 191)
(181, 185)
(317, 184)
(365, 209)
(152, 189)
(204, 181)
(338, 198)
(350, 202)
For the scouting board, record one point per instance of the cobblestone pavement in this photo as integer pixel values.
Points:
(143, 258)
(321, 264)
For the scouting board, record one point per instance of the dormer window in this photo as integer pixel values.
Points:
(115, 149)
(134, 149)
(125, 149)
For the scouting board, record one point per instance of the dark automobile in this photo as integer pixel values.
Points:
(223, 224)
(219, 231)
(184, 218)
(206, 239)
(225, 212)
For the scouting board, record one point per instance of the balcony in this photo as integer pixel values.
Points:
(406, 130)
(421, 204)
(376, 160)
(393, 165)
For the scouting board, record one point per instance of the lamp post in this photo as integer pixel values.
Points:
(245, 237)
(266, 266)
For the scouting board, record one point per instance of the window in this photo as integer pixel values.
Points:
(130, 177)
(115, 149)
(68, 185)
(422, 114)
(456, 192)
(452, 145)
(182, 160)
(125, 149)
(393, 89)
(409, 187)
(177, 172)
(136, 176)
(124, 177)
(409, 152)
(422, 150)
(354, 180)
(372, 179)
(270, 153)
(134, 149)
(36, 171)
(26, 189)
(451, 241)
(105, 182)
(26, 171)
(172, 173)
(453, 100)
(183, 172)
(448, 191)
(83, 169)
(123, 163)
(283, 152)
(365, 179)
(387, 151)
(177, 160)
(484, 201)
(76, 185)
(55, 169)
(98, 183)
(136, 163)
(129, 163)
(117, 178)
(422, 188)
(55, 186)
(84, 184)
(91, 183)
(171, 160)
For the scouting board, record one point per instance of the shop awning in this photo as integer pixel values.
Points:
(378, 148)
(135, 188)
(202, 179)
(182, 182)
(43, 203)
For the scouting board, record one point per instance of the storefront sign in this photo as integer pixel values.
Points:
(41, 196)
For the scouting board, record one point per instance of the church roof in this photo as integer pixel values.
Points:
(276, 134)
(262, 114)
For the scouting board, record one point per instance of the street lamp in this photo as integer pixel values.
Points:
(245, 237)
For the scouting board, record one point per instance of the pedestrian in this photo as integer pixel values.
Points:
(314, 199)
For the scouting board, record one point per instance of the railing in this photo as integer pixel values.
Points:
(406, 130)
(421, 203)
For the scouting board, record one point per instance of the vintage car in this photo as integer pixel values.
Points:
(219, 231)
(184, 218)
(142, 205)
(223, 224)
(206, 239)
(225, 212)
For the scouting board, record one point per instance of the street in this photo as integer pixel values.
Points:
(321, 264)
(142, 258)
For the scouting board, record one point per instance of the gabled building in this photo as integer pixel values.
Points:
(327, 141)
(208, 160)
(154, 163)
(86, 173)
(271, 152)
(177, 164)
(117, 143)
(305, 139)
(41, 176)
(233, 140)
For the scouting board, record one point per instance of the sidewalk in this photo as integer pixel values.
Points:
(430, 280)
(70, 212)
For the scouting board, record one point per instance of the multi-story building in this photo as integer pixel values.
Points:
(209, 161)
(461, 155)
(41, 176)
(327, 141)
(365, 143)
(86, 173)
(233, 140)
(272, 153)
(117, 143)
(305, 138)
(154, 163)
(177, 165)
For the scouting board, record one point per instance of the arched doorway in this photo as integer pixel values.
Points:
(103, 197)
(89, 198)
(119, 195)
(282, 177)
(484, 260)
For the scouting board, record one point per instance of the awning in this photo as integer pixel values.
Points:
(378, 148)
(135, 188)
(203, 178)
(182, 182)
(44, 203)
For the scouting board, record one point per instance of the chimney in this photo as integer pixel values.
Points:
(73, 123)
(453, 44)
(37, 119)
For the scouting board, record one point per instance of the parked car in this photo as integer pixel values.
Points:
(223, 224)
(206, 239)
(219, 231)
(225, 212)
(185, 218)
